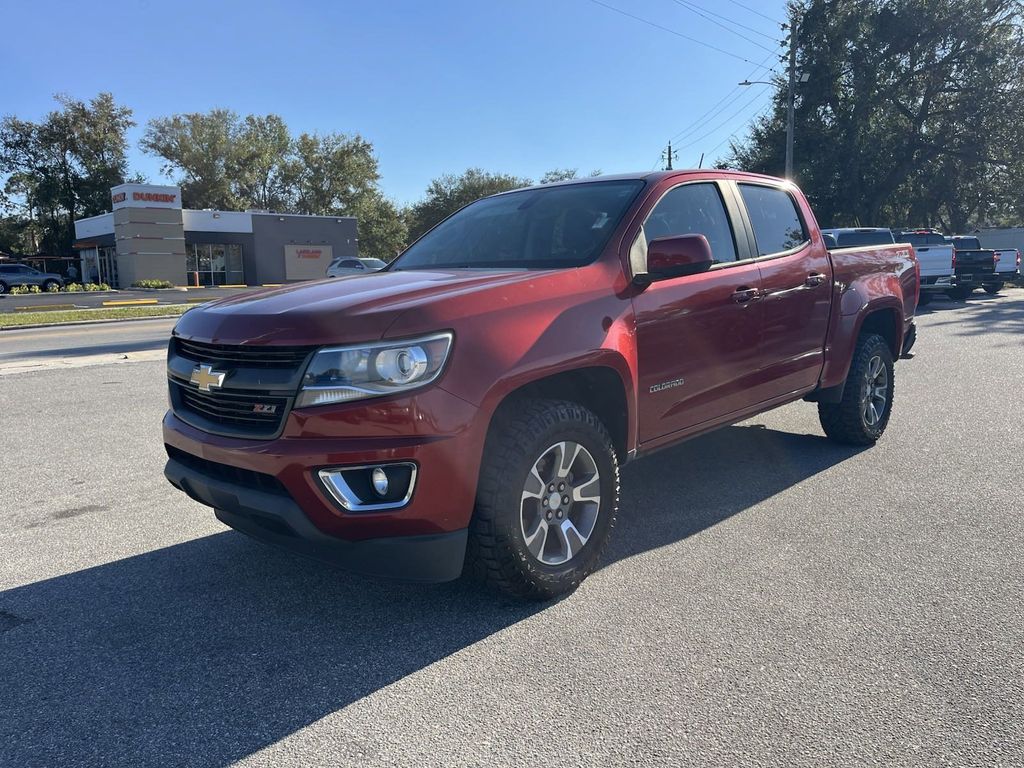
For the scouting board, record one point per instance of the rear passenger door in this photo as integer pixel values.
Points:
(697, 335)
(796, 282)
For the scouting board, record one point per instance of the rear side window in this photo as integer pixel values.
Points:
(773, 215)
(693, 209)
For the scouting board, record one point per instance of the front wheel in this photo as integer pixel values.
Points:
(993, 288)
(546, 502)
(861, 416)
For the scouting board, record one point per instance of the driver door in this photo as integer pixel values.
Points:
(698, 336)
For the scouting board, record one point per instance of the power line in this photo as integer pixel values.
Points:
(721, 104)
(755, 12)
(727, 120)
(732, 21)
(673, 32)
(732, 135)
(691, 9)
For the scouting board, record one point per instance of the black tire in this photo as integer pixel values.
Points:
(993, 288)
(4, 288)
(848, 421)
(497, 553)
(924, 299)
(51, 285)
(960, 293)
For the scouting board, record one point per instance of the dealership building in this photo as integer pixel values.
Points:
(149, 236)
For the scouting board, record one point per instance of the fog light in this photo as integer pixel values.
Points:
(380, 481)
(370, 488)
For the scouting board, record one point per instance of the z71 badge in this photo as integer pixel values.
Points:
(263, 408)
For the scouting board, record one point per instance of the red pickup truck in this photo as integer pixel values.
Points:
(468, 408)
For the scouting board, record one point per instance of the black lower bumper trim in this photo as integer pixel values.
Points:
(279, 521)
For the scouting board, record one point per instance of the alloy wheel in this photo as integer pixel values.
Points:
(875, 392)
(560, 503)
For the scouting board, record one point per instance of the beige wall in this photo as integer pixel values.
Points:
(150, 245)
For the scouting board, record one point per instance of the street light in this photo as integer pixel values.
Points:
(803, 78)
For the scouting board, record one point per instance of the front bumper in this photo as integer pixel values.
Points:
(276, 519)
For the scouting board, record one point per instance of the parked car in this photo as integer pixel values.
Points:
(850, 237)
(935, 255)
(974, 267)
(468, 408)
(12, 275)
(1007, 267)
(342, 266)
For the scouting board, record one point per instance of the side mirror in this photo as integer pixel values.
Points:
(830, 241)
(675, 256)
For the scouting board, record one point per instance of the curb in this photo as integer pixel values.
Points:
(86, 322)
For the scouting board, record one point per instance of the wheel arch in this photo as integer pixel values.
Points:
(598, 388)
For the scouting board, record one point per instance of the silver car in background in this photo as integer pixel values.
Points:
(343, 266)
(12, 275)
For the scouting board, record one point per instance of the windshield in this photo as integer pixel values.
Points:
(854, 239)
(919, 241)
(561, 226)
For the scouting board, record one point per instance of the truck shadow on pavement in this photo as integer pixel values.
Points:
(981, 315)
(208, 651)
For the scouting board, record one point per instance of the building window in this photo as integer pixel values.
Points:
(214, 264)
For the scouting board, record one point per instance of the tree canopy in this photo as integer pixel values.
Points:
(909, 115)
(60, 169)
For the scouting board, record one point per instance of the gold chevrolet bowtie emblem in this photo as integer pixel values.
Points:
(204, 377)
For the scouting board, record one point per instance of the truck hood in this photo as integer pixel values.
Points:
(335, 311)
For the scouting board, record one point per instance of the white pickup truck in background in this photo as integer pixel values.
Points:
(1007, 266)
(935, 255)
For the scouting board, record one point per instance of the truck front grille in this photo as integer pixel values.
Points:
(241, 355)
(231, 412)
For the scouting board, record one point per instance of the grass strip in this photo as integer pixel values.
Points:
(12, 319)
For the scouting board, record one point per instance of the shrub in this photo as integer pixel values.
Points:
(152, 284)
(53, 287)
(73, 287)
(96, 287)
(18, 290)
(34, 289)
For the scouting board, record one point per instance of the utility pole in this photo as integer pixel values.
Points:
(669, 155)
(792, 90)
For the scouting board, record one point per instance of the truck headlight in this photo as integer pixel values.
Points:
(342, 374)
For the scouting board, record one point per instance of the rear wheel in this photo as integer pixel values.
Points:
(960, 293)
(993, 288)
(861, 416)
(4, 288)
(546, 502)
(50, 286)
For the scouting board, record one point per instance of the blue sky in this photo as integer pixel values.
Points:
(519, 86)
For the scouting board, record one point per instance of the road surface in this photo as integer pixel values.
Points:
(769, 599)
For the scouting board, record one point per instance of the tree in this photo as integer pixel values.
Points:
(197, 151)
(257, 163)
(332, 172)
(383, 232)
(564, 174)
(62, 168)
(908, 113)
(446, 194)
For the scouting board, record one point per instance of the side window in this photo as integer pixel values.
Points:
(774, 218)
(693, 209)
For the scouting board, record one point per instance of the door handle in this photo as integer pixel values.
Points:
(744, 295)
(815, 279)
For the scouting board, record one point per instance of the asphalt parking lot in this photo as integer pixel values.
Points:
(770, 598)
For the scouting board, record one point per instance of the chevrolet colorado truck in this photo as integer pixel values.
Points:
(468, 408)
